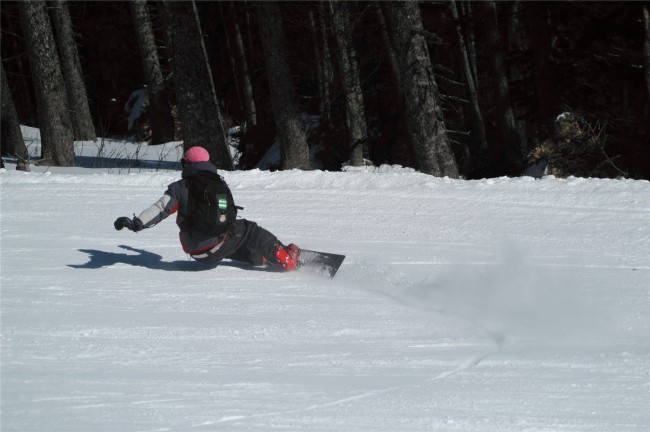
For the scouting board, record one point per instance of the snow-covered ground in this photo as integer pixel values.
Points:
(496, 305)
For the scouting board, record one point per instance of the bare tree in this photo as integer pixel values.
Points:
(82, 122)
(12, 138)
(283, 97)
(57, 140)
(424, 121)
(355, 111)
(160, 117)
(198, 108)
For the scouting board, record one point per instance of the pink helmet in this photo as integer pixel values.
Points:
(196, 154)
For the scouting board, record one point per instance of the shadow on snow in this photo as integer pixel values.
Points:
(98, 259)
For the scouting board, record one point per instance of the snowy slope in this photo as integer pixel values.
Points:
(496, 305)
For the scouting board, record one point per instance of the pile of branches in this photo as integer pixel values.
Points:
(576, 148)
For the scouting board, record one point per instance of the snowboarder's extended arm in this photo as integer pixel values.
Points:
(160, 210)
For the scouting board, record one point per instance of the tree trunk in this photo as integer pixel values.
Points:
(467, 11)
(517, 46)
(424, 121)
(57, 139)
(537, 17)
(478, 126)
(388, 44)
(355, 111)
(323, 89)
(326, 65)
(230, 55)
(12, 138)
(505, 115)
(198, 109)
(82, 122)
(21, 82)
(249, 96)
(283, 98)
(646, 47)
(160, 116)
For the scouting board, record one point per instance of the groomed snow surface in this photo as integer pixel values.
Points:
(496, 305)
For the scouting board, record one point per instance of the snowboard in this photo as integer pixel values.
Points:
(323, 263)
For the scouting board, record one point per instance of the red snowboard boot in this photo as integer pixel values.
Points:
(286, 256)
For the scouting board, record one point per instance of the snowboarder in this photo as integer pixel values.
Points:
(226, 236)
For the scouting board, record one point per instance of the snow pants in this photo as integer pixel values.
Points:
(249, 243)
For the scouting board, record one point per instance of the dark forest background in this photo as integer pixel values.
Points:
(504, 72)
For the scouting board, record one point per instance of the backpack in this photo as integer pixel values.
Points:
(211, 208)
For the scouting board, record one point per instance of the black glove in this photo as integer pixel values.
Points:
(134, 225)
